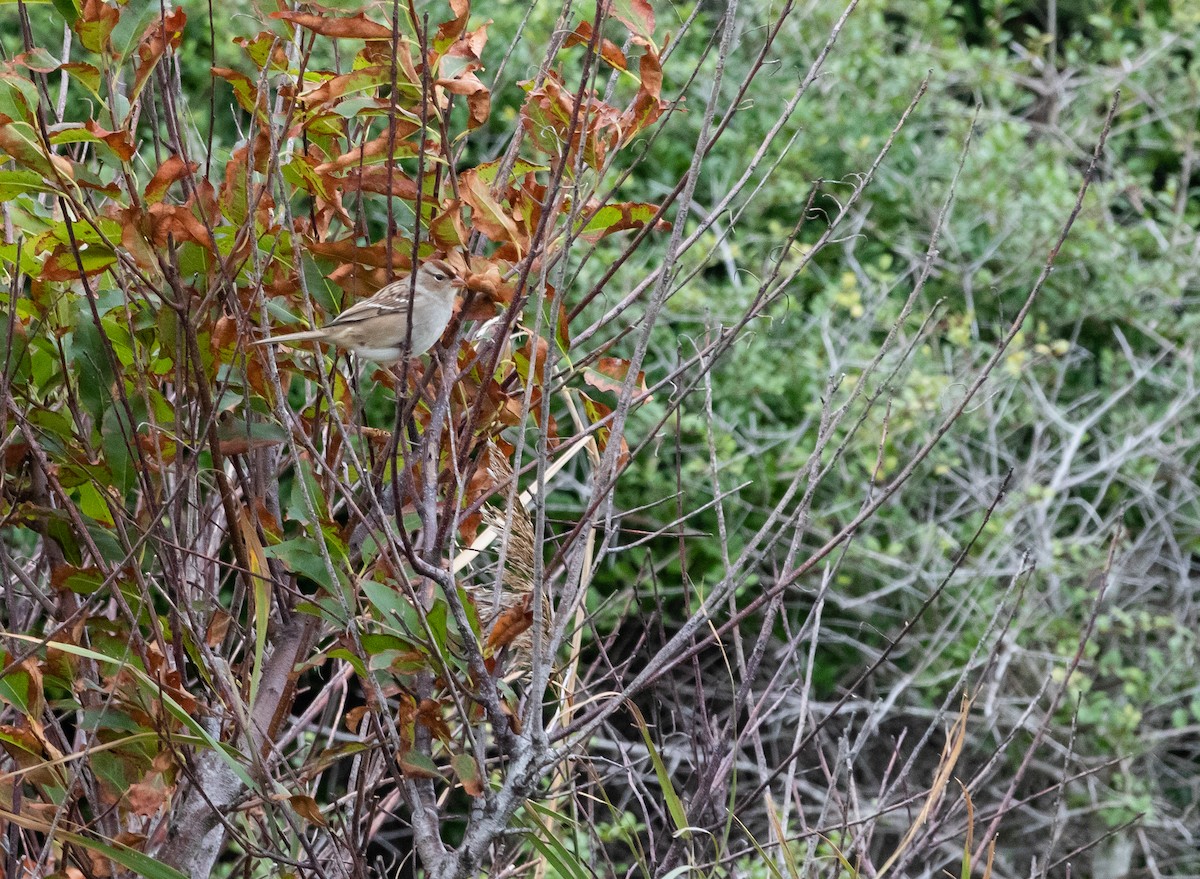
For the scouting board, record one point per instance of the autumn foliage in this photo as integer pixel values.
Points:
(223, 528)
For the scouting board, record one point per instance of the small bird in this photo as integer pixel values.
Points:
(378, 328)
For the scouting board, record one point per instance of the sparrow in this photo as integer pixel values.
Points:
(378, 328)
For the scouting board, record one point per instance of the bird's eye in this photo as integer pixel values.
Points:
(438, 276)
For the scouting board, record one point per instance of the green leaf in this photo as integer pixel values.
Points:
(127, 857)
(393, 607)
(346, 656)
(95, 32)
(302, 556)
(566, 863)
(15, 686)
(617, 218)
(18, 97)
(92, 504)
(674, 803)
(117, 436)
(467, 770)
(91, 362)
(153, 689)
(18, 182)
(87, 75)
(419, 765)
(135, 18)
(68, 9)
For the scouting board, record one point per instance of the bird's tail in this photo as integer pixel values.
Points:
(304, 336)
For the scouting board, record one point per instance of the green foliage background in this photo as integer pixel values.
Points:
(1093, 410)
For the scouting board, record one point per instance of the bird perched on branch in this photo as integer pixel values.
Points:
(379, 328)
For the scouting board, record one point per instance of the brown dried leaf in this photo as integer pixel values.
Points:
(354, 27)
(218, 626)
(488, 215)
(347, 250)
(145, 799)
(179, 223)
(429, 715)
(637, 15)
(306, 807)
(448, 31)
(647, 105)
(166, 32)
(375, 149)
(378, 180)
(479, 99)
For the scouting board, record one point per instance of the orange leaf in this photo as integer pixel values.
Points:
(509, 626)
(170, 171)
(609, 51)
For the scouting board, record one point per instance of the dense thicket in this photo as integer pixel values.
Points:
(808, 488)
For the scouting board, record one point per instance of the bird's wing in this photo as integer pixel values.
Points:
(387, 302)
